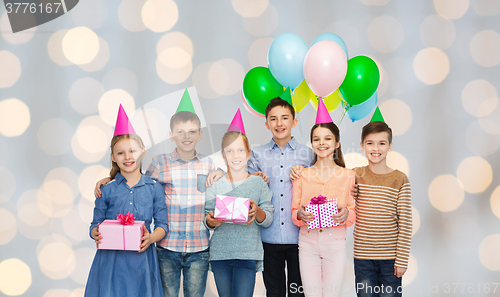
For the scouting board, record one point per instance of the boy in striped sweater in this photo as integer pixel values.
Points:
(382, 235)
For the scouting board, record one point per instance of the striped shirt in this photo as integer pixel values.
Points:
(185, 204)
(383, 227)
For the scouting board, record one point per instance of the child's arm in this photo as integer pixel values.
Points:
(347, 214)
(296, 172)
(102, 182)
(160, 219)
(263, 212)
(300, 216)
(253, 164)
(404, 214)
(100, 208)
(210, 222)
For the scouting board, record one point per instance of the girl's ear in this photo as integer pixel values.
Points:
(113, 158)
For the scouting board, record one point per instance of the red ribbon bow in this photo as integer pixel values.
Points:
(127, 219)
(318, 200)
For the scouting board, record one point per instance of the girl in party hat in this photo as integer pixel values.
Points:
(323, 189)
(236, 251)
(134, 196)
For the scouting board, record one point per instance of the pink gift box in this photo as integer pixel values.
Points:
(323, 213)
(232, 209)
(116, 236)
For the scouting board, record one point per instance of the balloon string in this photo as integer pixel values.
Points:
(295, 107)
(342, 116)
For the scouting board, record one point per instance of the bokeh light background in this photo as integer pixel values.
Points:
(60, 84)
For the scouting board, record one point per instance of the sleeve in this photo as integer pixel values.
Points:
(265, 204)
(404, 215)
(296, 202)
(209, 203)
(253, 164)
(154, 171)
(100, 209)
(350, 204)
(160, 208)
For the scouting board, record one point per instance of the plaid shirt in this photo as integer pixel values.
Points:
(185, 204)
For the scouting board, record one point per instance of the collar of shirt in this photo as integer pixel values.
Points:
(292, 144)
(175, 156)
(119, 178)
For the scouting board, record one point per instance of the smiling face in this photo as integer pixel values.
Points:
(236, 154)
(186, 136)
(324, 142)
(127, 154)
(376, 147)
(280, 121)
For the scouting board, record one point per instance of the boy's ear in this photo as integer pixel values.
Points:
(267, 126)
(295, 121)
(362, 147)
(171, 136)
(201, 134)
(390, 146)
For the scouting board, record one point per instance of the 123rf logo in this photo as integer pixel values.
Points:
(25, 14)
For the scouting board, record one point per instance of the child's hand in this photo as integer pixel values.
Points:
(399, 271)
(261, 174)
(213, 222)
(213, 177)
(354, 191)
(305, 216)
(341, 217)
(296, 172)
(96, 235)
(102, 182)
(146, 240)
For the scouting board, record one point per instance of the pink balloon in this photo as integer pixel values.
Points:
(248, 108)
(325, 67)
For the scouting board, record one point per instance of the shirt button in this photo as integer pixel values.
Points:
(282, 209)
(281, 195)
(282, 223)
(130, 203)
(131, 192)
(282, 154)
(281, 180)
(281, 166)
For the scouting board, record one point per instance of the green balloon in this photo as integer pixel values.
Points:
(259, 87)
(361, 80)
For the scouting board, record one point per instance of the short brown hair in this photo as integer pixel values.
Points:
(376, 127)
(279, 102)
(183, 117)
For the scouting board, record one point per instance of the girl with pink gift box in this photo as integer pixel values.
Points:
(123, 272)
(322, 250)
(236, 251)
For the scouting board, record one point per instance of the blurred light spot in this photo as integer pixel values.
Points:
(64, 174)
(412, 271)
(175, 40)
(57, 259)
(415, 220)
(129, 15)
(55, 49)
(38, 231)
(479, 98)
(61, 197)
(446, 193)
(173, 75)
(90, 13)
(250, 8)
(431, 65)
(120, 78)
(486, 7)
(257, 53)
(226, 76)
(92, 139)
(54, 136)
(15, 277)
(488, 252)
(397, 115)
(29, 211)
(490, 125)
(495, 202)
(353, 160)
(384, 80)
(8, 227)
(479, 141)
(84, 95)
(95, 144)
(451, 9)
(484, 48)
(385, 34)
(86, 209)
(74, 227)
(200, 80)
(14, 38)
(80, 45)
(160, 15)
(174, 58)
(88, 179)
(7, 184)
(79, 292)
(84, 258)
(109, 103)
(348, 33)
(57, 293)
(264, 24)
(11, 69)
(437, 31)
(397, 161)
(375, 2)
(475, 173)
(100, 60)
(14, 116)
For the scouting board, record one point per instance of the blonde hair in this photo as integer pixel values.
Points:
(228, 138)
(114, 167)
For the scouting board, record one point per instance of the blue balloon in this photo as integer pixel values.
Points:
(333, 37)
(286, 59)
(360, 111)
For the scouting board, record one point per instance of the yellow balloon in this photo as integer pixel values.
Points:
(332, 101)
(302, 95)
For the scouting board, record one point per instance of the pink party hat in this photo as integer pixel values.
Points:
(123, 125)
(322, 116)
(237, 123)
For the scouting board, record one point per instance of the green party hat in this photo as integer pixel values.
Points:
(185, 104)
(377, 116)
(286, 96)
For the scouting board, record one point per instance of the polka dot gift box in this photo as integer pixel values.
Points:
(323, 210)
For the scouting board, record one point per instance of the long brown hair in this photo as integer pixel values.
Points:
(228, 138)
(338, 157)
(114, 167)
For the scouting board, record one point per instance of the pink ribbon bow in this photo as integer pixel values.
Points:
(318, 200)
(127, 219)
